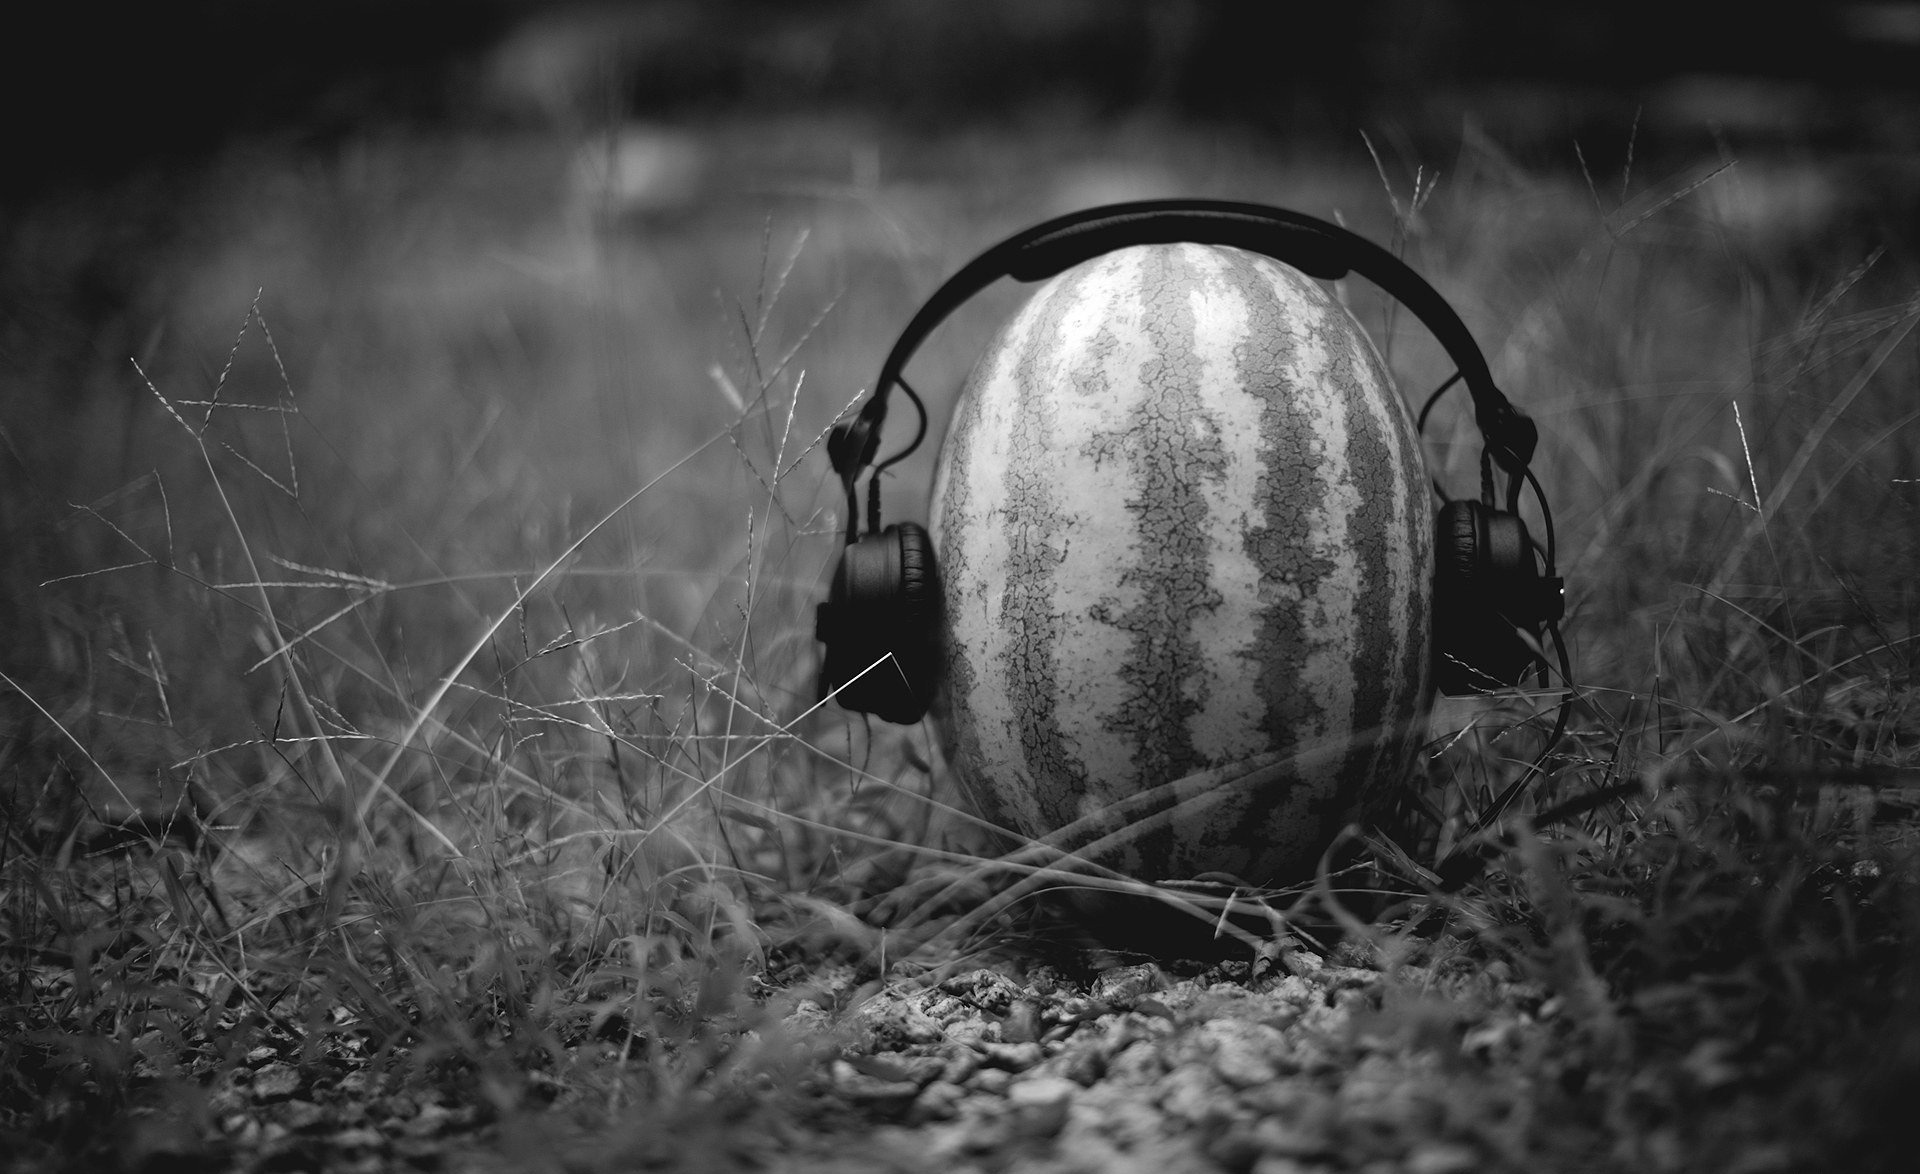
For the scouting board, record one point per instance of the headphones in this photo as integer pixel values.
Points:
(1494, 588)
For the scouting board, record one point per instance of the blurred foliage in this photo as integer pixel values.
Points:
(117, 86)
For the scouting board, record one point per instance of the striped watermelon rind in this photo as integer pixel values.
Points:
(1183, 524)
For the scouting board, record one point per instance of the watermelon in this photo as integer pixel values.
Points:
(1185, 538)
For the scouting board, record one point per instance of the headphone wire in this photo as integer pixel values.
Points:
(873, 479)
(918, 406)
(1467, 860)
(1426, 409)
(1546, 514)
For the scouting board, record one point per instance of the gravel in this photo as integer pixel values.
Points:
(1313, 1067)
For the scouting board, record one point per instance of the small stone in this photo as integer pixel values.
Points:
(975, 1032)
(1022, 1024)
(899, 1066)
(1289, 1139)
(1039, 1106)
(1292, 991)
(1139, 1062)
(992, 1080)
(1355, 954)
(226, 1099)
(960, 1066)
(985, 990)
(1235, 1148)
(298, 1114)
(1125, 985)
(432, 1119)
(808, 1016)
(241, 1128)
(1190, 1094)
(541, 1089)
(1045, 979)
(939, 1101)
(347, 1112)
(986, 1134)
(944, 1009)
(1440, 1157)
(1496, 1037)
(1302, 962)
(1350, 999)
(1289, 1100)
(1013, 1057)
(399, 1106)
(358, 1139)
(423, 1152)
(1282, 956)
(856, 1085)
(275, 1082)
(1084, 1067)
(1713, 1063)
(1243, 1051)
(894, 1022)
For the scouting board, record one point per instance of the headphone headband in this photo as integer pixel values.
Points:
(1313, 246)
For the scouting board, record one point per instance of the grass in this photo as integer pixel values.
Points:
(410, 693)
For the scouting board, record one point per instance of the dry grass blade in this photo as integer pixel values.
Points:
(1651, 205)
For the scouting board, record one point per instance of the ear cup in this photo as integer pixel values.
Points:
(881, 626)
(1458, 560)
(919, 584)
(1486, 592)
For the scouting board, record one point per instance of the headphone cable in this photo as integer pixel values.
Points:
(1468, 859)
(1427, 408)
(858, 462)
(1546, 516)
(920, 407)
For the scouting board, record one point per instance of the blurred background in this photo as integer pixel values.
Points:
(484, 270)
(104, 89)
